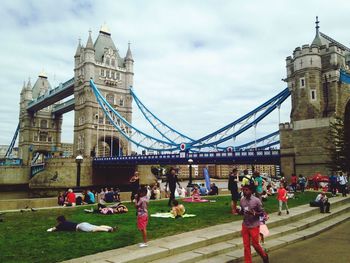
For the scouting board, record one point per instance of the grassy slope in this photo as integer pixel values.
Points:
(23, 236)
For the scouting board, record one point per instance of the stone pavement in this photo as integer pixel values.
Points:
(222, 243)
(331, 246)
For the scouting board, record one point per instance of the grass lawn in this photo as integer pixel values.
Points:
(23, 236)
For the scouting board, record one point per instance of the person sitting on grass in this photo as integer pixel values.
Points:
(70, 198)
(178, 210)
(64, 225)
(213, 189)
(196, 196)
(321, 201)
(203, 190)
(89, 197)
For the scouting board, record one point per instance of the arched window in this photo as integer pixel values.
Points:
(107, 61)
(113, 62)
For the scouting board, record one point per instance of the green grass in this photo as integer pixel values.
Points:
(23, 236)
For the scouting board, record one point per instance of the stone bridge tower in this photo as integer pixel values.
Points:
(40, 132)
(317, 98)
(113, 75)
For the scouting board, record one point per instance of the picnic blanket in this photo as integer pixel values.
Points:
(170, 215)
(189, 200)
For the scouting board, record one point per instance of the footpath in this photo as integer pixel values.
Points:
(223, 243)
(331, 246)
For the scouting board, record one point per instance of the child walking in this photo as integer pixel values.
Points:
(282, 198)
(141, 203)
(263, 230)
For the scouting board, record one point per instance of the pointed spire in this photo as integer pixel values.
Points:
(77, 53)
(29, 84)
(24, 87)
(128, 54)
(89, 44)
(317, 40)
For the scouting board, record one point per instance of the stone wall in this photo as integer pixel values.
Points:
(303, 149)
(62, 173)
(14, 175)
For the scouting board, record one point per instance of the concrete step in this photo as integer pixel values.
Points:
(282, 241)
(217, 241)
(223, 247)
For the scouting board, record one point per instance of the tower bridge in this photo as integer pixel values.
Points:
(101, 96)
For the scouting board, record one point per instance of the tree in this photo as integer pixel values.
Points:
(338, 146)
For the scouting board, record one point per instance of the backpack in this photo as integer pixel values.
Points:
(251, 182)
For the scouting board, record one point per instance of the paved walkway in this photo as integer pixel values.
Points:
(331, 246)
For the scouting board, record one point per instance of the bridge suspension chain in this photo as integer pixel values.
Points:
(161, 127)
(261, 112)
(12, 144)
(139, 138)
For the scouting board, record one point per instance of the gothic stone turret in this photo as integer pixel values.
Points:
(41, 131)
(317, 97)
(93, 134)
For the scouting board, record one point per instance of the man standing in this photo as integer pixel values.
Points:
(342, 181)
(333, 184)
(233, 187)
(293, 181)
(251, 208)
(172, 181)
(259, 184)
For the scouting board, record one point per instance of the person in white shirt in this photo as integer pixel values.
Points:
(342, 181)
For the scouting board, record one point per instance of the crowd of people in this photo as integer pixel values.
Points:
(250, 193)
(88, 196)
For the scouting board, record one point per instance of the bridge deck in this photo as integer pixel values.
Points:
(240, 157)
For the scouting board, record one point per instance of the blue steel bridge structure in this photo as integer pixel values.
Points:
(171, 146)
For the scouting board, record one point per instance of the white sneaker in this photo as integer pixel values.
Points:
(143, 245)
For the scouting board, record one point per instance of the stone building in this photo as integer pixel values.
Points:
(40, 132)
(317, 98)
(113, 74)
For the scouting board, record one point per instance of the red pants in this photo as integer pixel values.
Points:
(251, 235)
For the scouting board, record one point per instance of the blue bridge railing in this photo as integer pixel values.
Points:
(239, 157)
(36, 168)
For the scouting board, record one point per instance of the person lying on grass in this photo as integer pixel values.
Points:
(117, 208)
(178, 210)
(64, 225)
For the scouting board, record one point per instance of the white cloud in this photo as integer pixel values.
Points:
(198, 64)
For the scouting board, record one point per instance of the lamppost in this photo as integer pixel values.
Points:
(190, 162)
(78, 160)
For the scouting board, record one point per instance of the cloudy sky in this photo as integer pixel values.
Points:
(199, 65)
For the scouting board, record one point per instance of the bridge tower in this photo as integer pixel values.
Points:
(317, 98)
(93, 134)
(39, 132)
